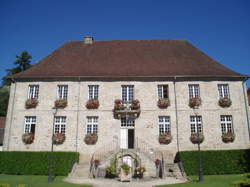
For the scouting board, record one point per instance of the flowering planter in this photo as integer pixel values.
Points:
(225, 102)
(61, 103)
(91, 139)
(96, 163)
(121, 111)
(135, 105)
(165, 138)
(92, 104)
(139, 171)
(194, 102)
(28, 138)
(58, 138)
(196, 138)
(31, 103)
(228, 137)
(163, 103)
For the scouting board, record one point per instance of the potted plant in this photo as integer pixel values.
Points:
(58, 138)
(163, 103)
(31, 103)
(61, 103)
(135, 105)
(196, 138)
(96, 162)
(119, 105)
(165, 138)
(125, 174)
(194, 102)
(228, 137)
(225, 102)
(91, 139)
(92, 104)
(28, 138)
(139, 172)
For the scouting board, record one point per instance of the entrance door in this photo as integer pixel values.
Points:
(131, 135)
(127, 134)
(124, 139)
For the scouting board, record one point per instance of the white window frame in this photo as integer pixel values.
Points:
(62, 91)
(93, 91)
(92, 125)
(164, 124)
(194, 90)
(60, 124)
(28, 122)
(226, 122)
(196, 124)
(127, 93)
(223, 90)
(127, 123)
(33, 91)
(161, 91)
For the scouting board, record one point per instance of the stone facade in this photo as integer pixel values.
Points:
(146, 126)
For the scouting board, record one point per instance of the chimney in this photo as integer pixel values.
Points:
(88, 39)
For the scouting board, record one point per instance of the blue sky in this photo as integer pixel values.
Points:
(220, 28)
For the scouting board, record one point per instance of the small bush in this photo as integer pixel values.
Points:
(217, 162)
(36, 163)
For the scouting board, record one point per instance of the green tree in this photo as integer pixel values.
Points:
(4, 99)
(22, 63)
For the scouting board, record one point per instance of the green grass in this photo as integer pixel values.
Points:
(209, 181)
(34, 181)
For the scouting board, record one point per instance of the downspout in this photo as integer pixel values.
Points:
(12, 110)
(77, 116)
(176, 115)
(246, 105)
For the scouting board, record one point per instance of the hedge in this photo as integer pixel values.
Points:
(37, 163)
(217, 162)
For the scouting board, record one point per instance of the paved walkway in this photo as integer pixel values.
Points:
(133, 183)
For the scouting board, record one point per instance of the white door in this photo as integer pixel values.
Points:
(124, 139)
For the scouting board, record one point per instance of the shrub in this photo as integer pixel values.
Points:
(36, 163)
(217, 162)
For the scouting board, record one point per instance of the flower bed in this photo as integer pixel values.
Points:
(28, 138)
(163, 103)
(165, 138)
(121, 111)
(91, 139)
(31, 103)
(225, 102)
(194, 102)
(92, 104)
(228, 137)
(58, 138)
(61, 103)
(196, 138)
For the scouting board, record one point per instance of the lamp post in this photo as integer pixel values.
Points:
(51, 158)
(201, 178)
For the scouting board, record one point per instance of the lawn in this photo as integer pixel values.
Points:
(34, 181)
(209, 181)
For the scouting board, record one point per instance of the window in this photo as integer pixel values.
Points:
(92, 125)
(127, 93)
(33, 92)
(196, 124)
(62, 91)
(164, 124)
(127, 122)
(194, 90)
(223, 90)
(60, 124)
(162, 91)
(93, 91)
(226, 123)
(30, 124)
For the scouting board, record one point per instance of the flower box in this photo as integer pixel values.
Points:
(31, 103)
(165, 138)
(163, 103)
(194, 102)
(197, 138)
(58, 138)
(123, 111)
(135, 105)
(92, 104)
(225, 102)
(228, 137)
(61, 103)
(28, 138)
(91, 139)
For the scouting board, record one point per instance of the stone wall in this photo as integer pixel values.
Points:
(146, 126)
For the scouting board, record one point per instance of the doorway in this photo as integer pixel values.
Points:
(127, 138)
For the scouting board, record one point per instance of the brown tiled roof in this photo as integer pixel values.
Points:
(127, 58)
(2, 126)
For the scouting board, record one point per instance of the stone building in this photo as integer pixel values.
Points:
(150, 97)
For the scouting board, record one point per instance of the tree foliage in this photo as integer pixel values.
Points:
(4, 99)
